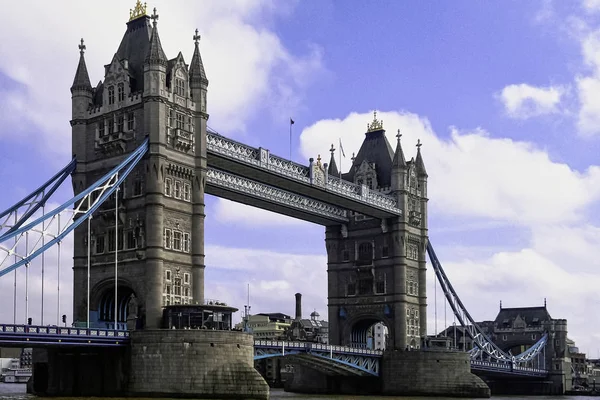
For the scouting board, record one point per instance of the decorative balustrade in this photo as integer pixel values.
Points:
(263, 159)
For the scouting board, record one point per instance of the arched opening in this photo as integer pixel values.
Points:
(370, 334)
(106, 307)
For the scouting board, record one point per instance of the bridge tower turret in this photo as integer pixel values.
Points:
(376, 267)
(159, 237)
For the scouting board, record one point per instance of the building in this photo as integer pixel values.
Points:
(266, 326)
(154, 224)
(309, 330)
(378, 336)
(370, 260)
(516, 329)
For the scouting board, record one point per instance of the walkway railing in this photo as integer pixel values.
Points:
(62, 336)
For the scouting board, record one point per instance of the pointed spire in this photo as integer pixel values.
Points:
(419, 161)
(155, 54)
(332, 168)
(399, 160)
(197, 74)
(82, 79)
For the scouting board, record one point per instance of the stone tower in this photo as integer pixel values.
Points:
(377, 268)
(159, 238)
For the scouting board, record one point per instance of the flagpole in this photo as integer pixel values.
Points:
(291, 123)
(340, 171)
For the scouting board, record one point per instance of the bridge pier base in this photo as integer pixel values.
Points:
(430, 373)
(79, 371)
(194, 363)
(309, 380)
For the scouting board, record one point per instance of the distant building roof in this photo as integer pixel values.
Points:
(276, 316)
(531, 315)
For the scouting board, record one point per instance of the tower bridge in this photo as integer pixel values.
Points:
(143, 161)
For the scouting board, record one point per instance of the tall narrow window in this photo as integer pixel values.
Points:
(138, 187)
(111, 125)
(130, 121)
(186, 191)
(172, 118)
(179, 87)
(176, 240)
(120, 123)
(167, 238)
(180, 121)
(111, 239)
(101, 130)
(177, 193)
(121, 91)
(131, 240)
(168, 187)
(186, 242)
(111, 95)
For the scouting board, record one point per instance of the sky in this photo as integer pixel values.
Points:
(504, 96)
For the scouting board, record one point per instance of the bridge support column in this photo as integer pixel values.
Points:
(153, 295)
(430, 373)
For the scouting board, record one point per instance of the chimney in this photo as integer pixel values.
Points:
(298, 305)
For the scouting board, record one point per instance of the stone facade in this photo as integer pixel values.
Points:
(194, 363)
(159, 238)
(377, 268)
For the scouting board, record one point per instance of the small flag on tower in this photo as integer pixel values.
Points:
(342, 148)
(291, 121)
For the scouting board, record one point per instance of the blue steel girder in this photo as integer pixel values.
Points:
(247, 191)
(33, 238)
(506, 369)
(31, 335)
(356, 361)
(12, 218)
(262, 166)
(485, 347)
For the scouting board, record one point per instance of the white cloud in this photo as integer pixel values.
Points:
(524, 101)
(247, 65)
(227, 211)
(591, 5)
(471, 173)
(274, 278)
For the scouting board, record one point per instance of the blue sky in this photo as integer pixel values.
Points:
(505, 96)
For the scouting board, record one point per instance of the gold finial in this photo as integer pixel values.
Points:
(332, 149)
(419, 144)
(319, 160)
(399, 135)
(138, 11)
(353, 158)
(375, 125)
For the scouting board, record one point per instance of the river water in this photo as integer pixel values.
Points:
(12, 391)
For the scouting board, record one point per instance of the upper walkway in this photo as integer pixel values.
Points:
(259, 165)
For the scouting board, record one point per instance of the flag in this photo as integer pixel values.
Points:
(291, 121)
(342, 148)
